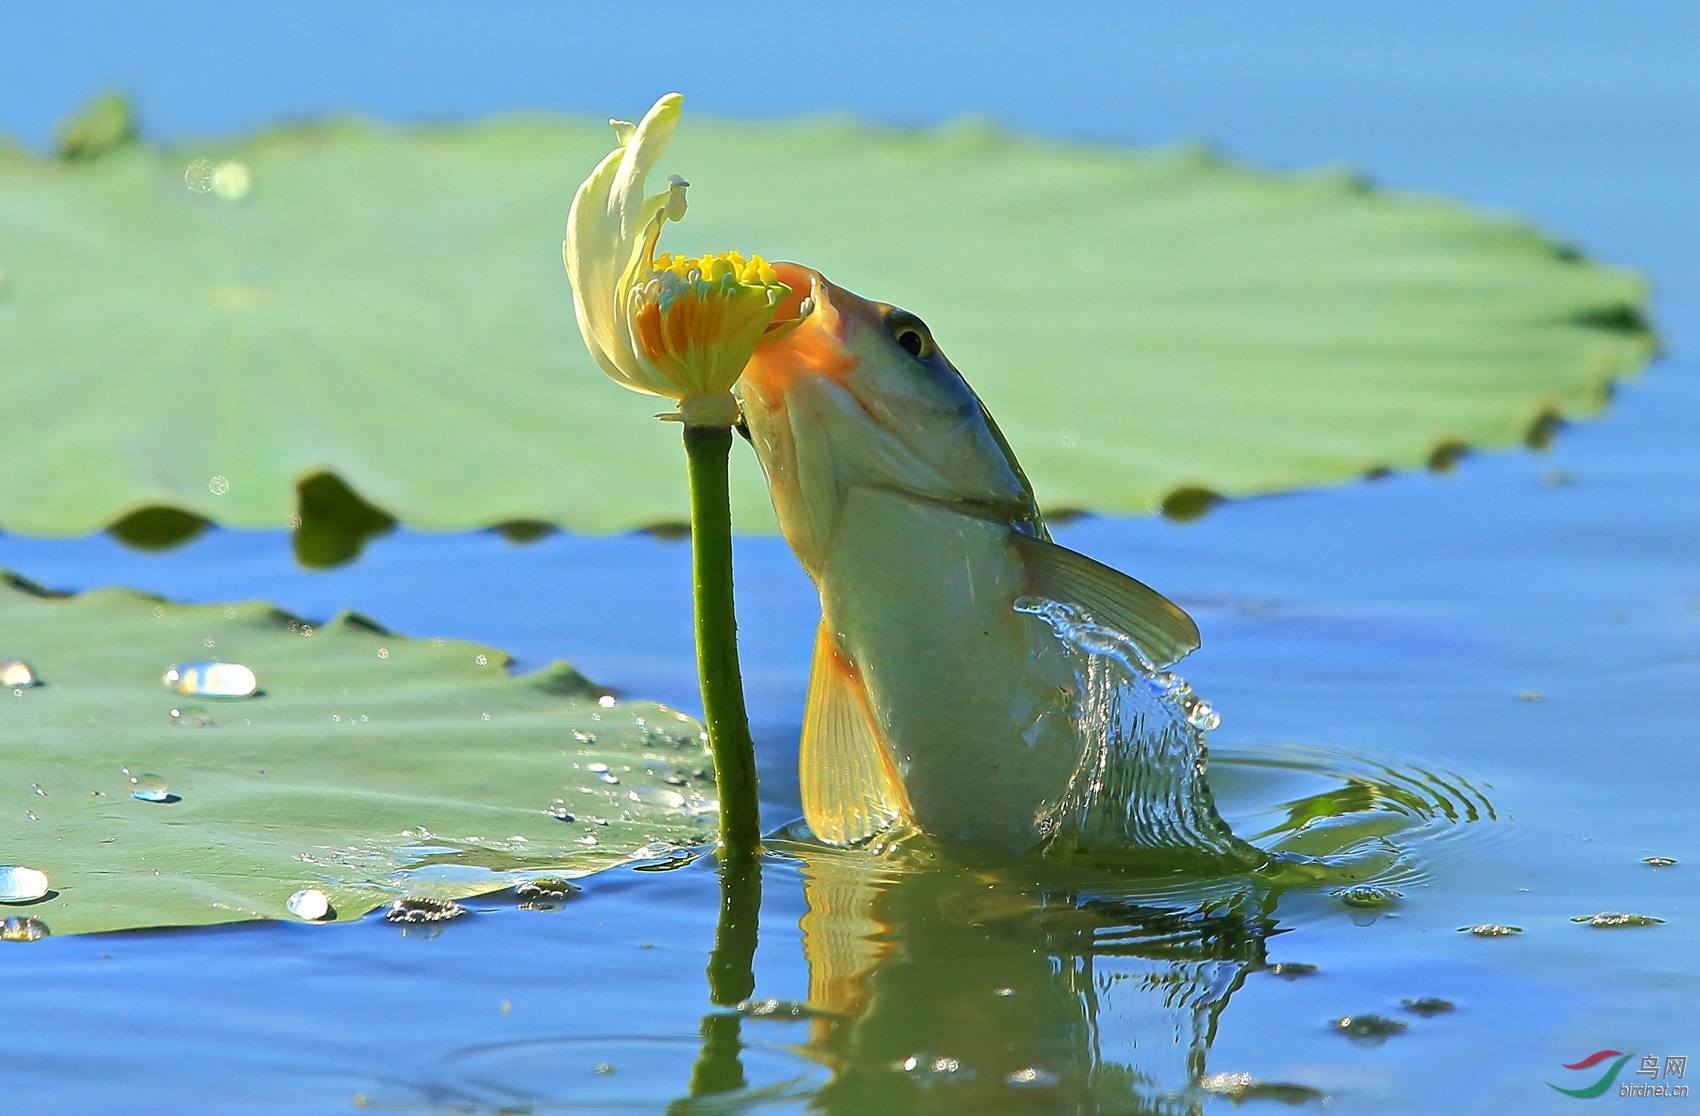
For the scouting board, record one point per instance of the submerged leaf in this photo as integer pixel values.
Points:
(368, 766)
(202, 329)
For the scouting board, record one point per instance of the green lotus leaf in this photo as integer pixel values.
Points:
(211, 327)
(370, 766)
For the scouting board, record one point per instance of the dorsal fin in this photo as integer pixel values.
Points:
(1159, 626)
(851, 788)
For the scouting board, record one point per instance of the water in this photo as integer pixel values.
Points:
(1370, 647)
(150, 788)
(212, 679)
(310, 904)
(422, 908)
(15, 674)
(21, 885)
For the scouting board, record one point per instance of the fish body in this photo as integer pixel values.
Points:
(932, 702)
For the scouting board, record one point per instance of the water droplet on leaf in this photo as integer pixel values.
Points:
(149, 788)
(17, 674)
(656, 796)
(310, 904)
(212, 679)
(23, 930)
(21, 885)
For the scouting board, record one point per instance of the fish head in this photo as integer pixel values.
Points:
(848, 391)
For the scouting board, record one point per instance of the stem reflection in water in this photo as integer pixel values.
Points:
(731, 979)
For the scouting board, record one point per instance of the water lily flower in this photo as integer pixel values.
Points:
(677, 327)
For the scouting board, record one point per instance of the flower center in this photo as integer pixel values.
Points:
(700, 317)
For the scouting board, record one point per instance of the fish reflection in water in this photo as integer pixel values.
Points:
(943, 987)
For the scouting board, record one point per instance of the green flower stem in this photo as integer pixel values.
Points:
(709, 449)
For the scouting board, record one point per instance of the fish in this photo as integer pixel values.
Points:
(933, 703)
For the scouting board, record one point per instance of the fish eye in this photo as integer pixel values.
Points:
(911, 333)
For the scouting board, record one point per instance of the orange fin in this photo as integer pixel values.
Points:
(1159, 626)
(851, 788)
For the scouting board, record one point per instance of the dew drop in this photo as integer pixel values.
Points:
(23, 930)
(149, 788)
(21, 885)
(219, 485)
(17, 674)
(606, 701)
(481, 660)
(310, 904)
(231, 181)
(212, 679)
(559, 812)
(198, 176)
(656, 796)
(383, 652)
(191, 716)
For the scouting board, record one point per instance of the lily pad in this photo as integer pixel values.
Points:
(370, 766)
(207, 328)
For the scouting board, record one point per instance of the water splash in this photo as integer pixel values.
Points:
(1139, 785)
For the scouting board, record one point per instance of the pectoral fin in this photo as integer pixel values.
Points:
(1161, 629)
(851, 787)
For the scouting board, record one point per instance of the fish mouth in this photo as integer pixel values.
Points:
(814, 333)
